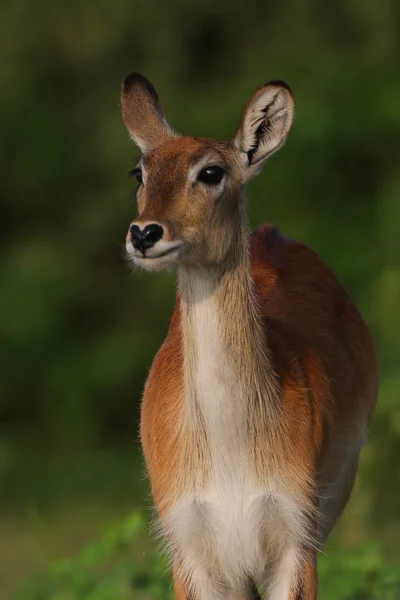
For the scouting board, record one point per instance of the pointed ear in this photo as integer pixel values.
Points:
(142, 113)
(266, 121)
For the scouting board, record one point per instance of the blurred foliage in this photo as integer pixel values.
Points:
(105, 571)
(77, 331)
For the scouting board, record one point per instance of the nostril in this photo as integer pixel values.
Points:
(135, 232)
(136, 236)
(152, 234)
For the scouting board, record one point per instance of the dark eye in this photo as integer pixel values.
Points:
(136, 172)
(211, 175)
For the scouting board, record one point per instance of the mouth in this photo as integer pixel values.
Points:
(160, 250)
(166, 252)
(162, 254)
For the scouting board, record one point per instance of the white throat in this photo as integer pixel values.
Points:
(211, 379)
(227, 381)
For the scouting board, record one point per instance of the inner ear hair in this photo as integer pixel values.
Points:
(266, 121)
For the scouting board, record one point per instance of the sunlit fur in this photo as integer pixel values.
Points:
(258, 402)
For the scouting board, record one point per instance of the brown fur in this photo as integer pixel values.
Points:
(302, 356)
(313, 332)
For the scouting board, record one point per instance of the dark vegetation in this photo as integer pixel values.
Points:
(78, 331)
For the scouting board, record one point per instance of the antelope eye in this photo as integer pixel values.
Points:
(136, 172)
(211, 175)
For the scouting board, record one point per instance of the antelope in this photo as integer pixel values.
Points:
(258, 401)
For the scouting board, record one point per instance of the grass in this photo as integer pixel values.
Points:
(76, 528)
(110, 569)
(52, 506)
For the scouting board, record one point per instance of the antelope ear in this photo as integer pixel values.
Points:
(265, 124)
(142, 113)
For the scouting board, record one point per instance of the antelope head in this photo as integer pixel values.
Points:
(190, 190)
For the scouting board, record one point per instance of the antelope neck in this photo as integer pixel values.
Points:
(223, 337)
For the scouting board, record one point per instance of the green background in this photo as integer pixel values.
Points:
(78, 330)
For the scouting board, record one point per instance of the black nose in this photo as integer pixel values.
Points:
(142, 239)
